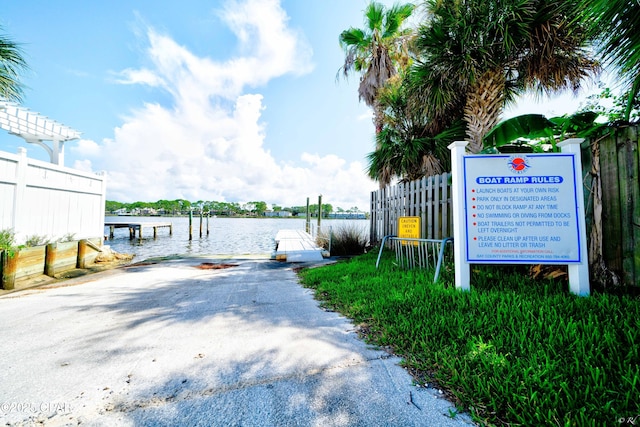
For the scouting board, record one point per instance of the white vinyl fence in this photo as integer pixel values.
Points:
(49, 201)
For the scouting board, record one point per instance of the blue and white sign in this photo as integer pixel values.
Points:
(521, 208)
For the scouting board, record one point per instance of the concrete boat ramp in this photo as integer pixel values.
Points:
(198, 341)
(297, 246)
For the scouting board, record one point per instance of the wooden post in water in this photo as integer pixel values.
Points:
(319, 214)
(190, 224)
(201, 222)
(208, 215)
(308, 223)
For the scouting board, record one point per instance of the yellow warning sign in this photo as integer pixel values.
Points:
(409, 227)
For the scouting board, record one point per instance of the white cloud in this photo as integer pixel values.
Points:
(83, 165)
(209, 144)
(130, 76)
(86, 148)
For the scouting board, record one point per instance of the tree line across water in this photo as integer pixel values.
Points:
(183, 207)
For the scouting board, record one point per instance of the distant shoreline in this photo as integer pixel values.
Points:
(314, 218)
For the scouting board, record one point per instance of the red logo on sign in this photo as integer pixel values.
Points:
(518, 164)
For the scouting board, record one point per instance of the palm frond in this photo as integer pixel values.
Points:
(12, 65)
(374, 14)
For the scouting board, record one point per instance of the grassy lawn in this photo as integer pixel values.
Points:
(513, 351)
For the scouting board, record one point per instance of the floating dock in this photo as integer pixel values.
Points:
(140, 226)
(297, 246)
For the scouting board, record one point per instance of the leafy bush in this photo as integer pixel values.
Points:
(512, 351)
(346, 240)
(7, 239)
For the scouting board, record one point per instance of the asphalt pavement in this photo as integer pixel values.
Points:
(179, 342)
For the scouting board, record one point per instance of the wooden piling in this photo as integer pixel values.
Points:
(308, 221)
(82, 253)
(9, 266)
(50, 259)
(190, 224)
(319, 213)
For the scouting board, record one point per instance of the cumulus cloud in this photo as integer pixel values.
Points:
(208, 142)
(86, 148)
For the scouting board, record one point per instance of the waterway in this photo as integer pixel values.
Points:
(227, 236)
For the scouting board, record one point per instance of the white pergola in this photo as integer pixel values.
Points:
(36, 129)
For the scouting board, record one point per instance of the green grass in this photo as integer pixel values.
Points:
(513, 351)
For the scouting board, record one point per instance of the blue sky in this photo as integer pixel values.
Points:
(222, 100)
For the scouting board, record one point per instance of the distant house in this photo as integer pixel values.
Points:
(347, 215)
(277, 214)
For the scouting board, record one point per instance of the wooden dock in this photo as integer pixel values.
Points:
(297, 246)
(139, 226)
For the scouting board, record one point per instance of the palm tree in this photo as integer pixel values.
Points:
(377, 51)
(11, 64)
(475, 56)
(405, 148)
(616, 28)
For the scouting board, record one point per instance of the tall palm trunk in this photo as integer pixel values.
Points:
(384, 175)
(484, 104)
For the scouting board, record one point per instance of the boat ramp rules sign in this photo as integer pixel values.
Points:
(521, 209)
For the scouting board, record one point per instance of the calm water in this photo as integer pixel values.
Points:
(227, 236)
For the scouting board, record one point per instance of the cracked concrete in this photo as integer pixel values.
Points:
(168, 343)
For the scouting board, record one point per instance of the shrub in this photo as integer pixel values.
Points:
(7, 239)
(8, 242)
(35, 240)
(346, 240)
(69, 237)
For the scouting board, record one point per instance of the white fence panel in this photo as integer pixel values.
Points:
(47, 200)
